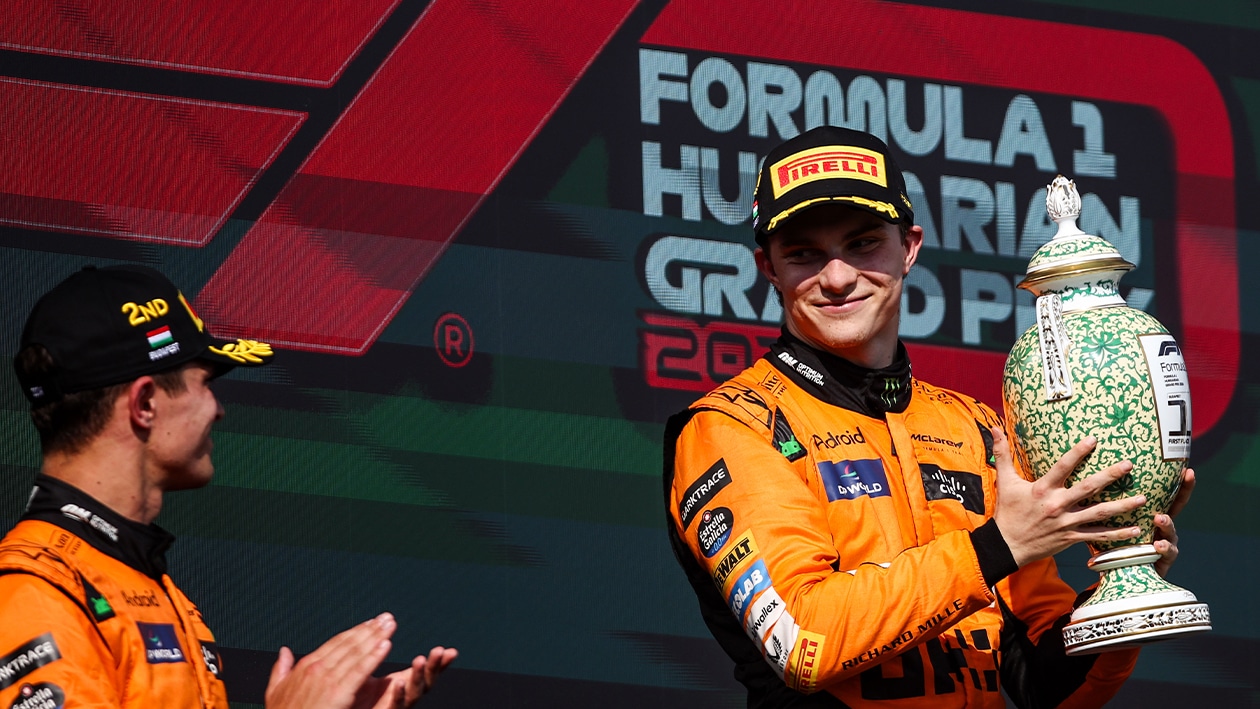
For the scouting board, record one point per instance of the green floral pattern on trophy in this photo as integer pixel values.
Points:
(1112, 399)
(1102, 288)
(1070, 249)
(1127, 582)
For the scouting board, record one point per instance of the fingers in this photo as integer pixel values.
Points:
(1183, 495)
(280, 670)
(425, 670)
(1062, 470)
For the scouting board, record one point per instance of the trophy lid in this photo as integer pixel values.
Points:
(1071, 252)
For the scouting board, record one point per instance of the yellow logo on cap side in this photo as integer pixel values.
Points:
(201, 326)
(826, 163)
(245, 351)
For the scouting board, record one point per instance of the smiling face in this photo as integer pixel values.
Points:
(840, 271)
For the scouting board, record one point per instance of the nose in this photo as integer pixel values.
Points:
(837, 276)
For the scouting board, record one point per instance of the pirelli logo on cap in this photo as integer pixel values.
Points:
(826, 163)
(802, 667)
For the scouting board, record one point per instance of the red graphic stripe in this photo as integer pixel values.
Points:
(375, 205)
(1046, 57)
(130, 166)
(293, 41)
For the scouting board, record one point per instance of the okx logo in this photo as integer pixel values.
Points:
(851, 479)
(160, 643)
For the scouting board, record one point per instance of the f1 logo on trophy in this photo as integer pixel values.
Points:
(1093, 365)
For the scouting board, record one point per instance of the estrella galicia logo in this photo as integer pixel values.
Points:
(41, 695)
(714, 530)
(160, 643)
(958, 485)
(703, 490)
(753, 581)
(851, 479)
(26, 658)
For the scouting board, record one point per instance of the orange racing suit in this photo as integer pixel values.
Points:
(836, 525)
(89, 618)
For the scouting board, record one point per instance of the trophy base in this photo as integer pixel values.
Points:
(1132, 606)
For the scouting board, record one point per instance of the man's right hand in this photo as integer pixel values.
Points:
(1042, 518)
(338, 674)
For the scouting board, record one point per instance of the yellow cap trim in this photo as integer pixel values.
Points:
(884, 207)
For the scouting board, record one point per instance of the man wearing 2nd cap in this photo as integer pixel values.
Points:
(857, 537)
(118, 367)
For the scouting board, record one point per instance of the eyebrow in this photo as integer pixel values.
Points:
(795, 238)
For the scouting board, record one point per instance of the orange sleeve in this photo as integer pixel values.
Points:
(48, 645)
(763, 538)
(1040, 602)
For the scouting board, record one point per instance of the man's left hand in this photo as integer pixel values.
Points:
(401, 689)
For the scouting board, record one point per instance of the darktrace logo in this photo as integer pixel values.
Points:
(27, 658)
(701, 491)
(834, 440)
(160, 643)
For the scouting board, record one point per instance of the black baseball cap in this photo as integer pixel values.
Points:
(109, 325)
(828, 165)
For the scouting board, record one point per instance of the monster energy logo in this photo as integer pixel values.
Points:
(889, 395)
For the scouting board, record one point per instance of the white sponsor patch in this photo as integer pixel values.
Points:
(780, 643)
(763, 613)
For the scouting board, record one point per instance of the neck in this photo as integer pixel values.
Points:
(113, 475)
(875, 353)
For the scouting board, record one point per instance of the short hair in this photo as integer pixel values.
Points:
(71, 422)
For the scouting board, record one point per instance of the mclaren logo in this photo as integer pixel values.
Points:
(828, 162)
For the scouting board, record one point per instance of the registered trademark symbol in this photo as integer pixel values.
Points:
(453, 339)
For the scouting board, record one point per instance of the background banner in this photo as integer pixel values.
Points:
(497, 243)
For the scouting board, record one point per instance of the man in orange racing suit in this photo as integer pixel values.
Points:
(856, 537)
(117, 367)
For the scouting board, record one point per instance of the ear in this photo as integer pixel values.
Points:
(913, 241)
(762, 257)
(141, 407)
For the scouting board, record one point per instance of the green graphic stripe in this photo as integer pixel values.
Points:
(428, 480)
(507, 434)
(313, 468)
(1232, 13)
(338, 524)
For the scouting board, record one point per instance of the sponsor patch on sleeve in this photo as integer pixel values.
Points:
(26, 658)
(702, 491)
(41, 695)
(802, 669)
(214, 661)
(753, 581)
(745, 546)
(161, 645)
(714, 530)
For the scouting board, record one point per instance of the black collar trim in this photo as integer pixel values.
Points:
(140, 546)
(837, 381)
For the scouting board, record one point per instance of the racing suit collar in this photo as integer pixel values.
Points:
(837, 381)
(140, 546)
